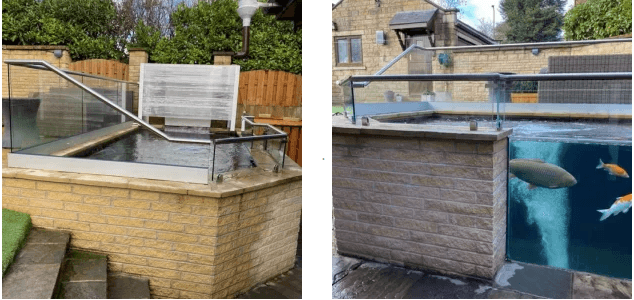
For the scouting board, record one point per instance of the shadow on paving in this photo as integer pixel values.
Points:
(357, 278)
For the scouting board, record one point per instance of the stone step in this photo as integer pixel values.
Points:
(35, 271)
(84, 276)
(127, 287)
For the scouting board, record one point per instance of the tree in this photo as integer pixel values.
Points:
(533, 20)
(597, 19)
(204, 28)
(84, 26)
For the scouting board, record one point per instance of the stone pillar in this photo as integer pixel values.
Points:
(432, 203)
(450, 20)
(138, 56)
(222, 58)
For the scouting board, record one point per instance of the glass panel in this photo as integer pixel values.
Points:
(567, 227)
(342, 51)
(348, 100)
(356, 50)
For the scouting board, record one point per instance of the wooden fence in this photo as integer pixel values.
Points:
(102, 67)
(274, 97)
(270, 94)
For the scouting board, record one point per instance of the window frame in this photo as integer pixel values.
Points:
(348, 38)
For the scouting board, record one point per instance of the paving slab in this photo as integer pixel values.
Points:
(287, 285)
(43, 236)
(127, 287)
(84, 276)
(33, 253)
(508, 294)
(444, 287)
(95, 269)
(36, 268)
(84, 290)
(536, 280)
(25, 281)
(590, 286)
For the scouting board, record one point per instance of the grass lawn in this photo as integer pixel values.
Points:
(336, 109)
(15, 228)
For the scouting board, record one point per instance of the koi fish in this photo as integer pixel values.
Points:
(613, 169)
(622, 204)
(537, 172)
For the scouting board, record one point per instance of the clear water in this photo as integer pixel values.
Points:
(144, 147)
(561, 227)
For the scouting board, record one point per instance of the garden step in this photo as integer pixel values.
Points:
(127, 287)
(34, 273)
(84, 276)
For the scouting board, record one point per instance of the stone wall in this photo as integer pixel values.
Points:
(518, 60)
(188, 240)
(26, 81)
(506, 58)
(425, 203)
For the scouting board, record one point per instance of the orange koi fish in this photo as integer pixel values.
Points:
(622, 204)
(613, 169)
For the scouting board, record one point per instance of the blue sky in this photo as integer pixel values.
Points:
(476, 9)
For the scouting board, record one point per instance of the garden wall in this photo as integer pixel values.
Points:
(423, 202)
(25, 85)
(189, 240)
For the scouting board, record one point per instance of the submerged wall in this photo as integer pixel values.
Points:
(189, 240)
(421, 199)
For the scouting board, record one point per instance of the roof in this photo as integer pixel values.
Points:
(430, 2)
(475, 33)
(413, 19)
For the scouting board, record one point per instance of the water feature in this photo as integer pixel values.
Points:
(144, 147)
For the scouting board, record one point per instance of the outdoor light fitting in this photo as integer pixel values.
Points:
(246, 10)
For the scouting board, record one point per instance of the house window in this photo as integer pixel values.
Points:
(348, 50)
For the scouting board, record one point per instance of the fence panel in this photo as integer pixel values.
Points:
(102, 67)
(270, 94)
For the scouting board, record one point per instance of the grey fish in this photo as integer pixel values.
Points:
(537, 172)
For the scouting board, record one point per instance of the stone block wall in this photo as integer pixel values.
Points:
(24, 81)
(425, 203)
(518, 60)
(188, 244)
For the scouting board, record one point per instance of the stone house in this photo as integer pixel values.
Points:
(369, 33)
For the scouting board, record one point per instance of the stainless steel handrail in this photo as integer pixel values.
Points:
(30, 63)
(361, 79)
(39, 64)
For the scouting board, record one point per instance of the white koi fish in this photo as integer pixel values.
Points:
(622, 204)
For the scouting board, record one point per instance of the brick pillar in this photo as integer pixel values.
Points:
(222, 59)
(138, 56)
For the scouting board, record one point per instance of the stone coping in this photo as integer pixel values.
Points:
(33, 47)
(342, 125)
(257, 180)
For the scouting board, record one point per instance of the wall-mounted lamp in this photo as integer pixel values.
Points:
(58, 53)
(535, 51)
(334, 26)
(378, 3)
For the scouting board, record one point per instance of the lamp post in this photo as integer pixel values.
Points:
(246, 10)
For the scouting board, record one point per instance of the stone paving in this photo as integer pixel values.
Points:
(356, 278)
(34, 272)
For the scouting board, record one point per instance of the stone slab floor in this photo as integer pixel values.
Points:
(356, 278)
